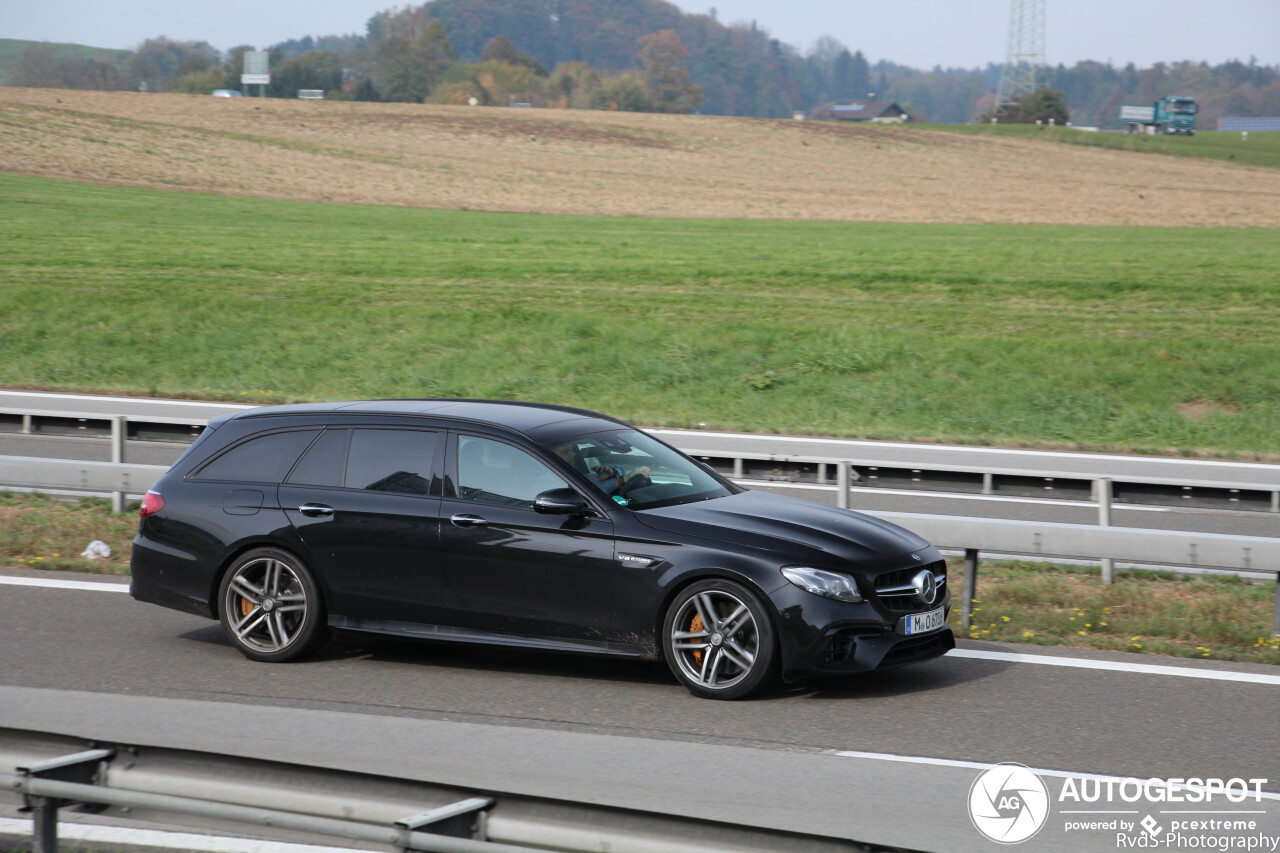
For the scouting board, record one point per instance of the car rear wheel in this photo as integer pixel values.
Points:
(719, 640)
(270, 607)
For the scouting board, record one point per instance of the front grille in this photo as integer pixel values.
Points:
(896, 589)
(913, 650)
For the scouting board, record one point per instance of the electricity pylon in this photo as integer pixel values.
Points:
(1025, 56)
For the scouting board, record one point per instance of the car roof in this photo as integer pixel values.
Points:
(507, 414)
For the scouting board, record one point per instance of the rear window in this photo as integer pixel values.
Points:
(322, 465)
(391, 460)
(265, 459)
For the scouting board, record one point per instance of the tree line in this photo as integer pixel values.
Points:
(635, 55)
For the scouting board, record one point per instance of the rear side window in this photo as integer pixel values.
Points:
(391, 460)
(265, 459)
(322, 465)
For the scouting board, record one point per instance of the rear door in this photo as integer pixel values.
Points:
(366, 502)
(509, 569)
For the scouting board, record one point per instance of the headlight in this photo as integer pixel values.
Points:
(826, 584)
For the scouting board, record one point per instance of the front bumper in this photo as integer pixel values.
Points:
(819, 636)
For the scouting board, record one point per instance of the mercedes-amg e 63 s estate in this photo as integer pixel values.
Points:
(525, 525)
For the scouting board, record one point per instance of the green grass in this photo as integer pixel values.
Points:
(11, 50)
(1220, 617)
(1261, 149)
(1075, 336)
(40, 532)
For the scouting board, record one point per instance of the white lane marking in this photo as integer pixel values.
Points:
(1120, 666)
(963, 448)
(979, 765)
(959, 496)
(55, 583)
(99, 398)
(99, 834)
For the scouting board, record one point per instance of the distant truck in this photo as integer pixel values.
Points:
(1167, 115)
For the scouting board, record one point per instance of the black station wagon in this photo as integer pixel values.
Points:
(525, 525)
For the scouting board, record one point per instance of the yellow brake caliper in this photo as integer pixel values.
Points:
(694, 627)
(246, 606)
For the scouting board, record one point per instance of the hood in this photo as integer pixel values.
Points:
(799, 531)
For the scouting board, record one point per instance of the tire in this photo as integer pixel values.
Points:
(270, 607)
(735, 656)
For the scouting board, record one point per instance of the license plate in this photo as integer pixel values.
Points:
(923, 623)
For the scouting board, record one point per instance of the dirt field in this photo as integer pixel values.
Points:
(619, 164)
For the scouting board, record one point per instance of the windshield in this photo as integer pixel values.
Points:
(637, 471)
(1187, 107)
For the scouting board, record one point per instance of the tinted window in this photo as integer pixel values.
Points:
(265, 459)
(391, 460)
(322, 464)
(637, 471)
(493, 472)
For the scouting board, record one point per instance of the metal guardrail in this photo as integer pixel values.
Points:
(30, 472)
(871, 467)
(269, 797)
(1048, 539)
(972, 534)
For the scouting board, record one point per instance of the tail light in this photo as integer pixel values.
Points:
(152, 502)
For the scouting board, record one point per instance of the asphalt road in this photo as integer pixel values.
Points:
(98, 664)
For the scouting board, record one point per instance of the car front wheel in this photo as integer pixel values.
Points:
(270, 606)
(719, 641)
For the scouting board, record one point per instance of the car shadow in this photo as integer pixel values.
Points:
(503, 659)
(937, 674)
(923, 677)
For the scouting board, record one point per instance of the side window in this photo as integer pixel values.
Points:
(323, 463)
(391, 460)
(265, 459)
(494, 472)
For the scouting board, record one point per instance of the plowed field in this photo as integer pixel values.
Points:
(617, 164)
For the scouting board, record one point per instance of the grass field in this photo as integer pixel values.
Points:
(1120, 338)
(1261, 149)
(1220, 617)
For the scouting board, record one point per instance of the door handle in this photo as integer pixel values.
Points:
(467, 520)
(315, 510)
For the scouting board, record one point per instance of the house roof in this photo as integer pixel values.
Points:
(863, 110)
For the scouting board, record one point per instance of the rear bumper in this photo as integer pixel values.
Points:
(164, 576)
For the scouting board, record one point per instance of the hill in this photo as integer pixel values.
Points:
(11, 52)
(1260, 149)
(620, 164)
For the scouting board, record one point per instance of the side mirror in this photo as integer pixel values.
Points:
(561, 502)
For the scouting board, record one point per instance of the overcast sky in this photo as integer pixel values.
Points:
(920, 33)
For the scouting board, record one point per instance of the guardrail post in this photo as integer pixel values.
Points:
(1102, 487)
(1275, 501)
(969, 587)
(26, 424)
(988, 483)
(119, 432)
(822, 472)
(842, 485)
(1275, 617)
(737, 468)
(44, 825)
